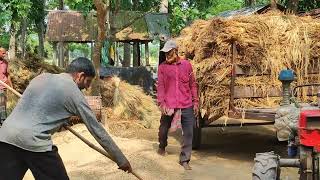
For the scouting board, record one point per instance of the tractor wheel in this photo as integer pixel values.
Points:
(266, 167)
(196, 141)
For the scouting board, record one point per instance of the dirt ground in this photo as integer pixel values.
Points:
(225, 154)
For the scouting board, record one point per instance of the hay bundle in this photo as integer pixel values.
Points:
(265, 45)
(130, 102)
(23, 71)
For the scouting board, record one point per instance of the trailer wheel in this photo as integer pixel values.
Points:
(266, 167)
(196, 141)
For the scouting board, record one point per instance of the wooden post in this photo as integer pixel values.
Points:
(135, 54)
(60, 43)
(92, 50)
(61, 54)
(126, 55)
(233, 76)
(146, 53)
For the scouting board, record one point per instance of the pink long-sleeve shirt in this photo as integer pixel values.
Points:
(177, 87)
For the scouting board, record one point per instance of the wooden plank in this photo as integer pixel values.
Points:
(251, 92)
(248, 71)
(238, 122)
(267, 116)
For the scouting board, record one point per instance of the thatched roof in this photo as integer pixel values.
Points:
(71, 26)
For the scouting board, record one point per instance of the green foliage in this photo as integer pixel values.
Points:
(17, 8)
(304, 5)
(183, 12)
(4, 40)
(84, 6)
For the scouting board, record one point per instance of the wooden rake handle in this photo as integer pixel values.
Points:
(101, 151)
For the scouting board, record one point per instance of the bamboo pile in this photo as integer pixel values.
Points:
(265, 45)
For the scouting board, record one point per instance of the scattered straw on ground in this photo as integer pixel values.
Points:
(83, 163)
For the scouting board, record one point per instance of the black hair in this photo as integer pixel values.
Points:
(81, 64)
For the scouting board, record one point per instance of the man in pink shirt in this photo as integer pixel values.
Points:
(177, 97)
(4, 77)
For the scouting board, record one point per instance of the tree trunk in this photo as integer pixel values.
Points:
(135, 4)
(164, 6)
(146, 53)
(293, 6)
(102, 9)
(40, 25)
(61, 5)
(24, 26)
(126, 55)
(274, 4)
(250, 2)
(41, 39)
(12, 43)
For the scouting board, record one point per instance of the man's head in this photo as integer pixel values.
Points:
(170, 49)
(3, 53)
(82, 71)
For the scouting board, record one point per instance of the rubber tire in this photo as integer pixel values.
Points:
(266, 167)
(196, 141)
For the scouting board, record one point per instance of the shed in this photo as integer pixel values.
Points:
(126, 26)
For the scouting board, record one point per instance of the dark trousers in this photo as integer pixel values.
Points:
(3, 105)
(187, 122)
(14, 163)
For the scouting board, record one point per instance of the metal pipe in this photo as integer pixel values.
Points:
(289, 163)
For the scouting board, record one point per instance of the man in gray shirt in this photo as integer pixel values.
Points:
(45, 106)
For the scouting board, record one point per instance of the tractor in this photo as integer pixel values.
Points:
(305, 143)
(303, 146)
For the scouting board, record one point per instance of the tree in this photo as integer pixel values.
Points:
(16, 9)
(250, 2)
(183, 12)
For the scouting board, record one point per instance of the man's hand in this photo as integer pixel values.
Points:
(196, 114)
(164, 110)
(126, 167)
(196, 110)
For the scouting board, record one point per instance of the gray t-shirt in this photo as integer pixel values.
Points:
(46, 104)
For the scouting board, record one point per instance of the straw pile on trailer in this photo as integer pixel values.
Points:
(265, 45)
(129, 102)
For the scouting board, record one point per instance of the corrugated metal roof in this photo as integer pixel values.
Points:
(158, 25)
(259, 9)
(241, 12)
(71, 26)
(138, 30)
